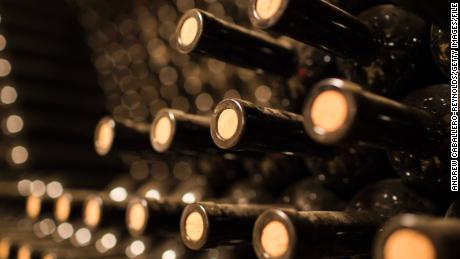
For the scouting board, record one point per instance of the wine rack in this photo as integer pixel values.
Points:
(185, 129)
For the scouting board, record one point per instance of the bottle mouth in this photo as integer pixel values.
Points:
(266, 9)
(33, 206)
(162, 131)
(50, 256)
(330, 111)
(63, 207)
(24, 252)
(265, 13)
(194, 226)
(137, 216)
(92, 211)
(5, 247)
(104, 136)
(189, 30)
(274, 235)
(408, 244)
(227, 123)
(274, 239)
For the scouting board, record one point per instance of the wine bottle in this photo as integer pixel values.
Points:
(416, 132)
(438, 13)
(287, 234)
(378, 52)
(160, 217)
(111, 136)
(7, 247)
(175, 130)
(243, 126)
(415, 236)
(102, 210)
(209, 224)
(440, 48)
(38, 206)
(201, 32)
(68, 207)
(11, 242)
(240, 125)
(34, 248)
(108, 207)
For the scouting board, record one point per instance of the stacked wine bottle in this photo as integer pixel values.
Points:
(271, 129)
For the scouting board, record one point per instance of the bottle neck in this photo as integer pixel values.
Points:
(238, 45)
(260, 129)
(363, 117)
(322, 25)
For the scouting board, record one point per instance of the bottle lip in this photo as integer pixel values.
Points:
(410, 230)
(197, 29)
(340, 129)
(163, 130)
(199, 223)
(231, 139)
(132, 218)
(285, 235)
(5, 247)
(92, 211)
(104, 135)
(273, 16)
(33, 206)
(410, 239)
(63, 207)
(50, 255)
(24, 251)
